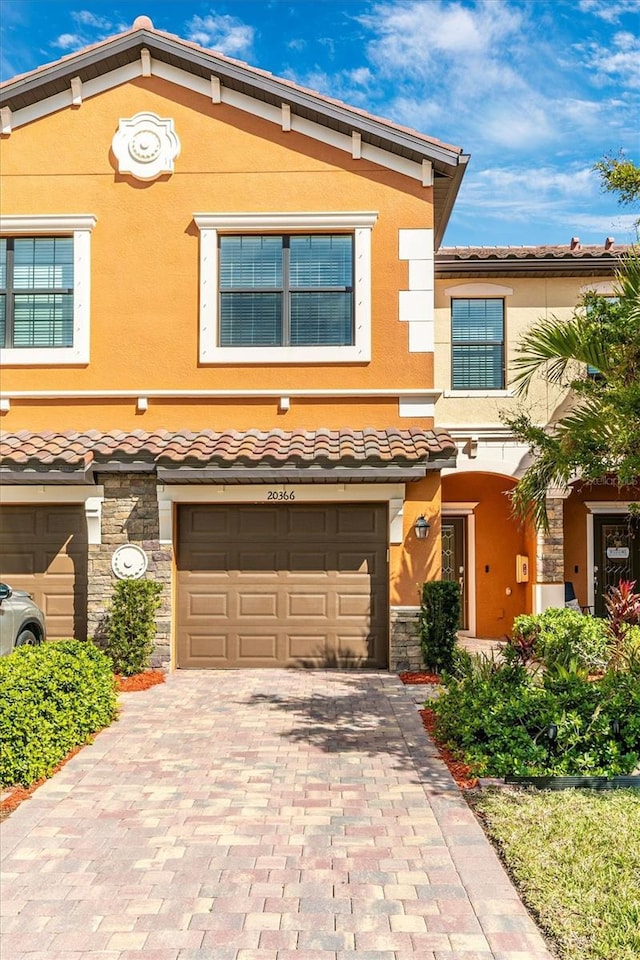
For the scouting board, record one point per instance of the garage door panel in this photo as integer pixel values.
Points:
(43, 549)
(256, 522)
(258, 646)
(354, 605)
(205, 558)
(311, 647)
(303, 605)
(206, 647)
(208, 605)
(364, 522)
(203, 523)
(252, 560)
(297, 588)
(16, 565)
(308, 523)
(258, 605)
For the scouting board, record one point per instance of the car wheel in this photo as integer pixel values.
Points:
(27, 637)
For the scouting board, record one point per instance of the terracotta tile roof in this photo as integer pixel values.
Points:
(573, 251)
(249, 448)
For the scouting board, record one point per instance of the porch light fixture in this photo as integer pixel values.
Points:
(422, 527)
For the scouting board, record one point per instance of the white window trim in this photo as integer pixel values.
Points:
(78, 226)
(211, 224)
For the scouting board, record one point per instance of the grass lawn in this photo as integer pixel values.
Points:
(575, 856)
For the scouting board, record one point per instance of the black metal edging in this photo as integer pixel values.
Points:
(568, 783)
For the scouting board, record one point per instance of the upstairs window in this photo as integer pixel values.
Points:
(36, 292)
(286, 291)
(477, 336)
(45, 288)
(285, 287)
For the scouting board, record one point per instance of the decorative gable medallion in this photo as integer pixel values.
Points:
(145, 146)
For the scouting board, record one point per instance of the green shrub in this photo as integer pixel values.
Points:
(53, 697)
(497, 719)
(562, 635)
(439, 621)
(132, 625)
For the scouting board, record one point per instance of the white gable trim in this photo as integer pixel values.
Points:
(215, 91)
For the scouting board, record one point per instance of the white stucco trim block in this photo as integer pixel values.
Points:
(415, 244)
(415, 305)
(417, 407)
(421, 337)
(547, 595)
(421, 275)
(478, 290)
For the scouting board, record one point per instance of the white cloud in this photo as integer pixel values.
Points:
(609, 10)
(620, 62)
(88, 19)
(224, 33)
(69, 41)
(414, 36)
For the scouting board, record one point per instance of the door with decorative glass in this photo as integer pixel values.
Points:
(454, 559)
(616, 554)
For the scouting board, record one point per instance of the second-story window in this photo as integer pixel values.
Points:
(477, 344)
(292, 290)
(36, 292)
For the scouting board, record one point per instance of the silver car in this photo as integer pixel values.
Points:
(21, 620)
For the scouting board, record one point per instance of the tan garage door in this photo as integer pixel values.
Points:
(286, 585)
(43, 550)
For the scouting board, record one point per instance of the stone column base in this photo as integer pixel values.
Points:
(404, 640)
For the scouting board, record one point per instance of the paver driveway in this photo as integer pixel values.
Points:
(258, 815)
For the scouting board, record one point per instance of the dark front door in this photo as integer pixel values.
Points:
(454, 559)
(616, 554)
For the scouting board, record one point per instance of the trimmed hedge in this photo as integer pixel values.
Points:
(439, 621)
(53, 697)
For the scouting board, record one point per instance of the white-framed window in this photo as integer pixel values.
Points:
(285, 287)
(45, 289)
(477, 344)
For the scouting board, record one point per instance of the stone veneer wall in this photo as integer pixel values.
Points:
(550, 558)
(404, 640)
(129, 515)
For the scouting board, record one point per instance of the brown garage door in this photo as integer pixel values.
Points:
(287, 585)
(43, 550)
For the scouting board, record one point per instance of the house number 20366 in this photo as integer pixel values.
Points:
(281, 495)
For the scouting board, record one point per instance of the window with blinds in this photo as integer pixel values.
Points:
(36, 292)
(477, 343)
(287, 290)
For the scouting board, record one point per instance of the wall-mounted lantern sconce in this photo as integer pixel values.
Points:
(422, 527)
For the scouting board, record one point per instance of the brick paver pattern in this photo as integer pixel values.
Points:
(258, 815)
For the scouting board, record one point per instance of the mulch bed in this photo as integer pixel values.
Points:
(139, 681)
(459, 770)
(17, 795)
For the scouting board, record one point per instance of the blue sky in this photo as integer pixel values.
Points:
(535, 90)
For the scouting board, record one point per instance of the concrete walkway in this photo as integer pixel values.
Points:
(258, 815)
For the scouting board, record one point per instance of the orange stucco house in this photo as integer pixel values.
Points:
(222, 366)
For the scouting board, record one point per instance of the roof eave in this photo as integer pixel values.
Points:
(445, 157)
(545, 266)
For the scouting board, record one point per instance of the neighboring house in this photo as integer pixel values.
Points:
(222, 366)
(486, 298)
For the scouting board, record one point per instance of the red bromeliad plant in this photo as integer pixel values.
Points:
(623, 607)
